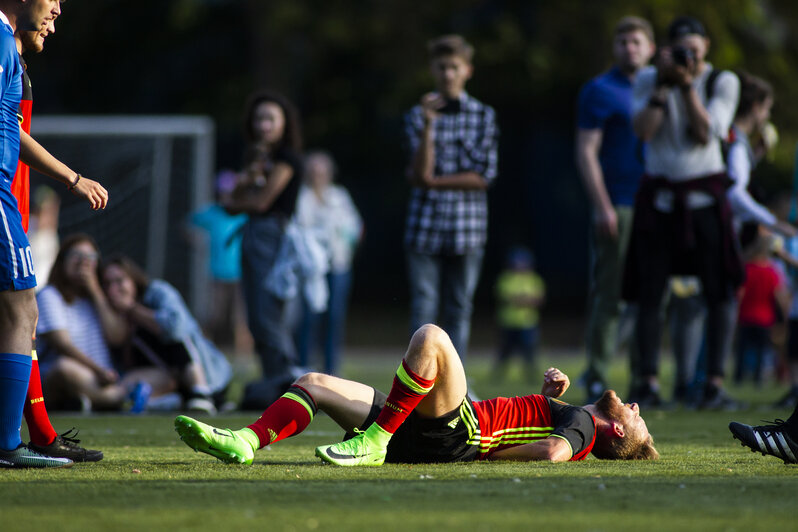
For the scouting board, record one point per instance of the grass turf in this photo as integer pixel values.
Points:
(150, 480)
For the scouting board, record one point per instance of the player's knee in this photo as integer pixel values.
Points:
(312, 379)
(21, 313)
(430, 336)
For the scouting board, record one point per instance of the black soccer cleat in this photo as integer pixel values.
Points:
(767, 439)
(23, 457)
(66, 446)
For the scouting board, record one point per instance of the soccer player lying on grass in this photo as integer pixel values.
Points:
(428, 417)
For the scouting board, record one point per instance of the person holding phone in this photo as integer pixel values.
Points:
(452, 139)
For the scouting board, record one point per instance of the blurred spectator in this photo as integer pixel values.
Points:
(452, 139)
(76, 323)
(687, 313)
(328, 210)
(608, 155)
(163, 338)
(226, 323)
(763, 298)
(520, 292)
(267, 191)
(683, 108)
(752, 119)
(43, 231)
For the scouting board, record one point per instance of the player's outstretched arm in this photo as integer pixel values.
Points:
(552, 449)
(34, 155)
(555, 383)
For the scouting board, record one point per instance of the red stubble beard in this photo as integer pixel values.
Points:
(609, 405)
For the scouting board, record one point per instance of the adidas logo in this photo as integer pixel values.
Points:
(272, 435)
(453, 423)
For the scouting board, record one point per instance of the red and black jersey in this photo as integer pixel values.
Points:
(509, 422)
(20, 186)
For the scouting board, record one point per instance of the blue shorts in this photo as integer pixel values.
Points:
(16, 264)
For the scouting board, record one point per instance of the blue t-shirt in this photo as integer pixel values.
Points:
(605, 103)
(224, 236)
(10, 96)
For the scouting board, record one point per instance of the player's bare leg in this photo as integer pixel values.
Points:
(18, 314)
(430, 379)
(432, 356)
(347, 402)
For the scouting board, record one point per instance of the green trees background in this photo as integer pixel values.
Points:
(354, 67)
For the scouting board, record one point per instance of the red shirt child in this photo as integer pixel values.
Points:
(758, 293)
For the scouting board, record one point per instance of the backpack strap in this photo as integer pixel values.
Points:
(709, 88)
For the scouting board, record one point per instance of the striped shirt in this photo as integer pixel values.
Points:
(508, 422)
(78, 318)
(453, 221)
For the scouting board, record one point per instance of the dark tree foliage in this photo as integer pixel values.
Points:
(354, 67)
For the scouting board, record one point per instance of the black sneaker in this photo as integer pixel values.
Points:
(24, 457)
(66, 446)
(767, 439)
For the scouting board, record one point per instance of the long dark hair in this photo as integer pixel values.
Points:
(292, 135)
(140, 279)
(58, 276)
(753, 90)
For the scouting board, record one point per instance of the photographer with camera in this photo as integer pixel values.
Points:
(683, 108)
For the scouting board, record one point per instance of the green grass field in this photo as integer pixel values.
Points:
(149, 480)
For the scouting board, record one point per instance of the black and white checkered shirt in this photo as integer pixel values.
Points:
(453, 222)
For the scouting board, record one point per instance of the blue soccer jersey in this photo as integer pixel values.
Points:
(16, 266)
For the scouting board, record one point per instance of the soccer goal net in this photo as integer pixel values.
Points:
(157, 169)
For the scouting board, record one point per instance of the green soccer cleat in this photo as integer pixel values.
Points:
(24, 457)
(357, 451)
(225, 444)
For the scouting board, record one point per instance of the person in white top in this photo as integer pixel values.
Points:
(328, 209)
(682, 108)
(753, 115)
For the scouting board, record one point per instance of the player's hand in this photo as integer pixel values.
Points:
(555, 383)
(92, 191)
(431, 103)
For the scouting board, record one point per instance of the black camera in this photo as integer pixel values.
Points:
(682, 56)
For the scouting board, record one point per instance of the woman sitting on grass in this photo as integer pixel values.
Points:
(76, 325)
(162, 335)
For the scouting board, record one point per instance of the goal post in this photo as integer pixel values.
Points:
(158, 170)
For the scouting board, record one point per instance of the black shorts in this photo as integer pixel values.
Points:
(428, 440)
